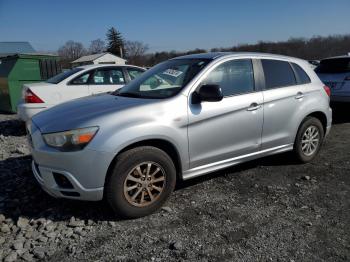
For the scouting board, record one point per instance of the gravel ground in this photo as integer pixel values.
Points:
(271, 209)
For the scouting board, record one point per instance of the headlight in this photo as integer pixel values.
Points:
(72, 140)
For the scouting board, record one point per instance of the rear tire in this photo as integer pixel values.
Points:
(309, 139)
(142, 180)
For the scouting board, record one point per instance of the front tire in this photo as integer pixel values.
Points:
(309, 139)
(142, 180)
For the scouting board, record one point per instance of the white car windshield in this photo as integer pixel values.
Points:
(164, 80)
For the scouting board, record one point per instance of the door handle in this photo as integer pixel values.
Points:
(299, 95)
(253, 106)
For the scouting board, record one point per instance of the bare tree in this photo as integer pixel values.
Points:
(135, 51)
(97, 46)
(71, 50)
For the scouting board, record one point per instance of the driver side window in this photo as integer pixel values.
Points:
(234, 77)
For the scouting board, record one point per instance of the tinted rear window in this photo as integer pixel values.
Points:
(277, 74)
(302, 76)
(336, 65)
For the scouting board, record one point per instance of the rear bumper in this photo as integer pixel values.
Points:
(26, 111)
(340, 98)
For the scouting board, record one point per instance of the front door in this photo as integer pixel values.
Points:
(231, 127)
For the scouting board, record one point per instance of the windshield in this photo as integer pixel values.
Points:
(60, 77)
(164, 80)
(337, 65)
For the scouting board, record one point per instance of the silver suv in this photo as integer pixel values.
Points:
(183, 118)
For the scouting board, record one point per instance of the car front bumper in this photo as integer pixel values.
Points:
(44, 176)
(85, 169)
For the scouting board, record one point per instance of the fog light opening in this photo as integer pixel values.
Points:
(62, 181)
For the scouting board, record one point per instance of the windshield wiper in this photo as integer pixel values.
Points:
(126, 94)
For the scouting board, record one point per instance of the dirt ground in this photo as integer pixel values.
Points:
(272, 209)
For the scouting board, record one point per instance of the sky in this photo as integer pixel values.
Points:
(170, 25)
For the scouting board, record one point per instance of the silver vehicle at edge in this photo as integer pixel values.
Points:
(335, 73)
(183, 118)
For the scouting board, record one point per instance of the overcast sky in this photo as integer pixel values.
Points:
(170, 25)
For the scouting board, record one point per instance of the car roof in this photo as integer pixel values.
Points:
(106, 65)
(216, 55)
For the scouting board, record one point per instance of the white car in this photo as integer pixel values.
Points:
(78, 82)
(335, 73)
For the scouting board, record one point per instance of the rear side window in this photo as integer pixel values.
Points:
(302, 77)
(60, 77)
(277, 74)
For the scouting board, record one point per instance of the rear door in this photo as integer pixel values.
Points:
(283, 99)
(106, 79)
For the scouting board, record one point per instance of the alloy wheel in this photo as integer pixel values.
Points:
(144, 184)
(310, 140)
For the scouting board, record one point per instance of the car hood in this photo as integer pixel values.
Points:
(84, 112)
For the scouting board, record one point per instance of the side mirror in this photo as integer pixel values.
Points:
(209, 93)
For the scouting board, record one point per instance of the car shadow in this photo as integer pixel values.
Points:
(12, 127)
(341, 113)
(22, 196)
(282, 159)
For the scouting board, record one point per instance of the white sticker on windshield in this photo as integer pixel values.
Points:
(172, 72)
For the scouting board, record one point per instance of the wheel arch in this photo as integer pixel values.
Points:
(162, 144)
(318, 115)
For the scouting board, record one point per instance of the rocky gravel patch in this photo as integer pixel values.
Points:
(272, 209)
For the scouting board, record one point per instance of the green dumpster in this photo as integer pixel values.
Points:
(18, 69)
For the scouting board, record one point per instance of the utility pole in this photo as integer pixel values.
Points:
(121, 51)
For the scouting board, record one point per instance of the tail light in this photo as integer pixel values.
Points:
(30, 97)
(328, 90)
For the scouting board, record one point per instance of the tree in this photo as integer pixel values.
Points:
(71, 50)
(135, 51)
(115, 43)
(97, 46)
